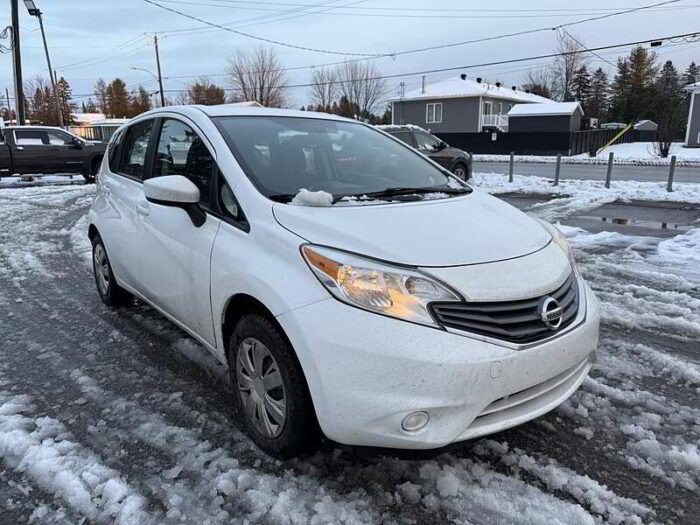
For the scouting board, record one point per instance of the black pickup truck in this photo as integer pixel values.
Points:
(34, 150)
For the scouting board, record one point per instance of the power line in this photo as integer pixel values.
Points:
(498, 62)
(422, 13)
(430, 48)
(262, 39)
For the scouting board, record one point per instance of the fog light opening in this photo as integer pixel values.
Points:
(415, 421)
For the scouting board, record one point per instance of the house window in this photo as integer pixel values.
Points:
(433, 113)
(487, 107)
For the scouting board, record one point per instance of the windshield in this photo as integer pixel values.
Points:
(282, 155)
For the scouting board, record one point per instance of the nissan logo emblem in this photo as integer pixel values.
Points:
(550, 312)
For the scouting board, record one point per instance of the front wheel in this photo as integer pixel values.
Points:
(270, 391)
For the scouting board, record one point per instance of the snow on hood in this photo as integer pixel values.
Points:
(312, 198)
(470, 229)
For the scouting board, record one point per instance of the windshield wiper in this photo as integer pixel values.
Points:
(281, 197)
(398, 191)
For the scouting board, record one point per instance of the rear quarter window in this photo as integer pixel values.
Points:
(113, 149)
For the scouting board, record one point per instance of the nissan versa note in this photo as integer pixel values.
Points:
(354, 288)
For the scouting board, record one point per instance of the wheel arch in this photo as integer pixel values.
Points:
(242, 304)
(239, 305)
(93, 232)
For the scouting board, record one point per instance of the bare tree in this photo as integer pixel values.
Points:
(540, 82)
(360, 84)
(566, 64)
(258, 76)
(324, 87)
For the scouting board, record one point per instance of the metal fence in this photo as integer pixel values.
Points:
(101, 133)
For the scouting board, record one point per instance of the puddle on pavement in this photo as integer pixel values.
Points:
(656, 225)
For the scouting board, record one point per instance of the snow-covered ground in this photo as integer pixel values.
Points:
(638, 153)
(118, 417)
(577, 196)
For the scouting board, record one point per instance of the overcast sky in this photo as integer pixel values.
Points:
(89, 39)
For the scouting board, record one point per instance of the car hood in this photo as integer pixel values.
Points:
(470, 229)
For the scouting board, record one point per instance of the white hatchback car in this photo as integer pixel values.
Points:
(353, 287)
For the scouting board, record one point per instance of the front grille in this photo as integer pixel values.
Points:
(514, 321)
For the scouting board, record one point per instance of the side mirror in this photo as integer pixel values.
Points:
(77, 143)
(176, 191)
(443, 145)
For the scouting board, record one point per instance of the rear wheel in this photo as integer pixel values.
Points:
(94, 168)
(460, 171)
(109, 291)
(270, 391)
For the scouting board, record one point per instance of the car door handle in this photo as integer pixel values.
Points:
(141, 209)
(19, 148)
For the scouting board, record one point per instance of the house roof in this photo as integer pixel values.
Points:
(455, 87)
(545, 109)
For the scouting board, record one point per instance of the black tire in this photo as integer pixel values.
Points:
(461, 171)
(111, 294)
(300, 433)
(94, 168)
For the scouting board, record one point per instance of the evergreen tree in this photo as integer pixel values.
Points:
(139, 102)
(691, 75)
(205, 92)
(599, 100)
(633, 88)
(117, 99)
(581, 87)
(669, 108)
(65, 96)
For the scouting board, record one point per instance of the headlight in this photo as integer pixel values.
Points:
(378, 287)
(560, 240)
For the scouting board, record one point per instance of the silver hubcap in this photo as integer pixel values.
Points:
(460, 173)
(261, 388)
(101, 268)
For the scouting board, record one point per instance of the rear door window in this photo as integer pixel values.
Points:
(427, 142)
(181, 151)
(404, 136)
(31, 137)
(135, 149)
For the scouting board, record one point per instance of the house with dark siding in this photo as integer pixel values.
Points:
(460, 105)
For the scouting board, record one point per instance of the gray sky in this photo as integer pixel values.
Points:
(102, 38)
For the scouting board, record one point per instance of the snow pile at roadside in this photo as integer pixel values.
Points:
(576, 196)
(637, 154)
(684, 248)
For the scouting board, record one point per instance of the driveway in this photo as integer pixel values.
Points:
(591, 171)
(116, 416)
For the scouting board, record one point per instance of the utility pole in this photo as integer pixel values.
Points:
(34, 11)
(9, 108)
(160, 76)
(17, 63)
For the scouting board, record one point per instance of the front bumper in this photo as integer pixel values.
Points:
(367, 372)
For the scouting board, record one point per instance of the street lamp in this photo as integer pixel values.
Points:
(160, 82)
(155, 104)
(34, 11)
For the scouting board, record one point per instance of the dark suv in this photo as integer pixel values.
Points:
(453, 159)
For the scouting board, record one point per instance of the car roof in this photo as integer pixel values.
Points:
(233, 110)
(54, 128)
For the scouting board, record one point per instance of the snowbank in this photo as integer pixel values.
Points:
(576, 196)
(638, 154)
